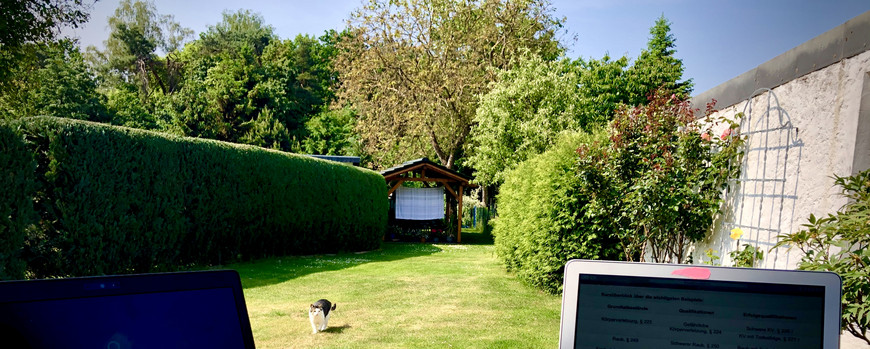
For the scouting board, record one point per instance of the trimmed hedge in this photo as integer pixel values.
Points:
(543, 219)
(16, 209)
(117, 200)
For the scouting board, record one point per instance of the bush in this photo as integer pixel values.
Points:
(542, 222)
(117, 200)
(661, 177)
(644, 190)
(841, 243)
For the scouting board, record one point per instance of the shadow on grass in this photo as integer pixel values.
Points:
(338, 329)
(476, 238)
(270, 271)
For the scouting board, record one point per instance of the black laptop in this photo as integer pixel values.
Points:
(170, 310)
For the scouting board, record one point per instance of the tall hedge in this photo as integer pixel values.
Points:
(117, 200)
(16, 210)
(543, 217)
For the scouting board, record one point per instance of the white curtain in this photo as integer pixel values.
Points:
(419, 203)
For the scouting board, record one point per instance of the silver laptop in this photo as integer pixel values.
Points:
(637, 305)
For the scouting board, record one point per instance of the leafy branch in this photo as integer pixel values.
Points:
(839, 243)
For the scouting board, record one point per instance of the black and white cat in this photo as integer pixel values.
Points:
(318, 314)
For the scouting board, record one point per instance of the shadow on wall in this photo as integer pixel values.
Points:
(762, 203)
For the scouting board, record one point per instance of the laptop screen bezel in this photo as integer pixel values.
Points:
(24, 291)
(574, 268)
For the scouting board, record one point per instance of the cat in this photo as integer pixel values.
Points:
(318, 314)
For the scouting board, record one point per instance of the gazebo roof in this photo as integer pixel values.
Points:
(432, 168)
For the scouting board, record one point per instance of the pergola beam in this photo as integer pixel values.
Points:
(395, 186)
(446, 186)
(417, 179)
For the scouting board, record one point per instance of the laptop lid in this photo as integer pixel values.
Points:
(171, 310)
(615, 305)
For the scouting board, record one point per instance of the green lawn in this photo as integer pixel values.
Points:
(401, 296)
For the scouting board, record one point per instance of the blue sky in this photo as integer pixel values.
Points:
(716, 39)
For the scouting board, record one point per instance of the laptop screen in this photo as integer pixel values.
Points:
(181, 310)
(612, 305)
(642, 312)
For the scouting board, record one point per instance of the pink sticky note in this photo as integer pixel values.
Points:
(693, 273)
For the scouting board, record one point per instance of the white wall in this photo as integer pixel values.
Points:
(789, 164)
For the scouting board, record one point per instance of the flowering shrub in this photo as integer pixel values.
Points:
(660, 177)
(644, 189)
(748, 257)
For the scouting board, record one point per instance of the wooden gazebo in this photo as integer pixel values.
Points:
(424, 170)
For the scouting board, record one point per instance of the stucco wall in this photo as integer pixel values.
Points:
(799, 136)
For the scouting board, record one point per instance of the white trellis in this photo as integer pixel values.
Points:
(765, 196)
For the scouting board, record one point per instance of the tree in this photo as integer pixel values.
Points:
(522, 115)
(298, 78)
(414, 69)
(235, 31)
(24, 21)
(603, 89)
(331, 133)
(531, 104)
(126, 109)
(56, 81)
(33, 21)
(657, 68)
(646, 187)
(244, 84)
(218, 99)
(137, 33)
(266, 131)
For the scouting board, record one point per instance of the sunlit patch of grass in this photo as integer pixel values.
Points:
(401, 296)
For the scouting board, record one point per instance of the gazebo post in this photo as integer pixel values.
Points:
(459, 215)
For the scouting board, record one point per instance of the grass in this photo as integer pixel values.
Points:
(401, 296)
